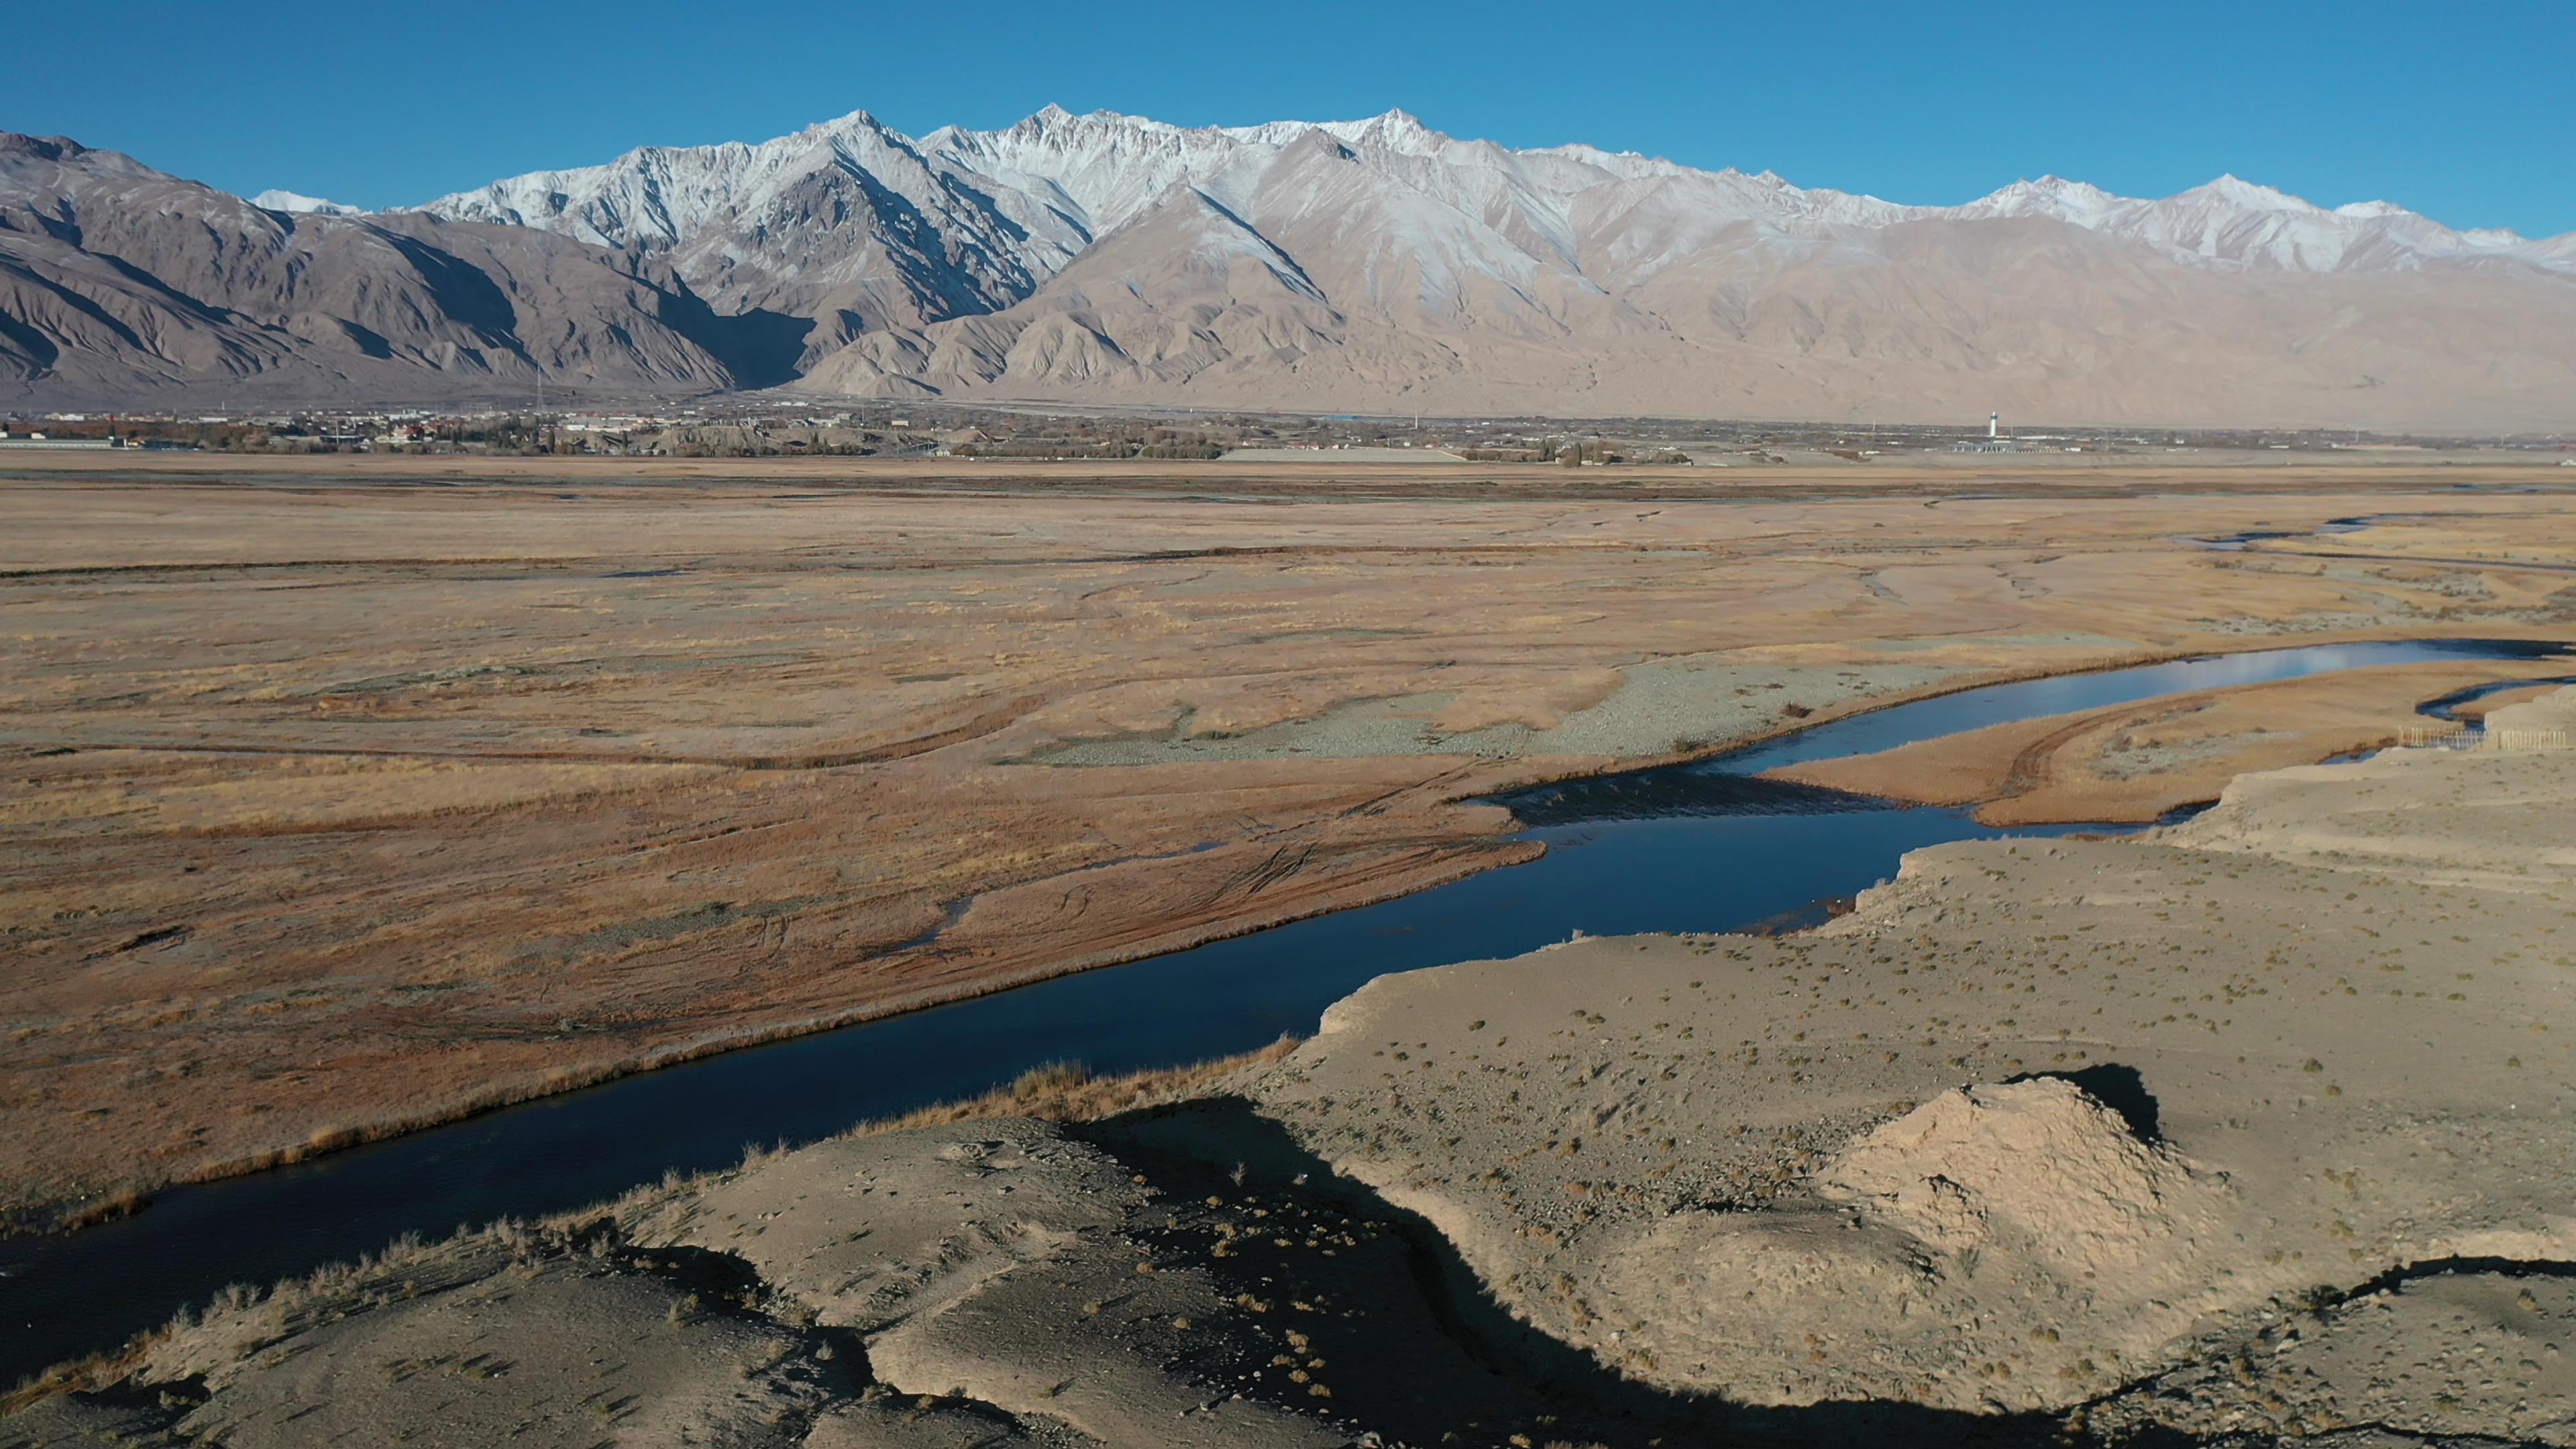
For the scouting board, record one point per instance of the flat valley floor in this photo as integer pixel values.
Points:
(344, 795)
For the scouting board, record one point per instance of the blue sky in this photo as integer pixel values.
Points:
(2462, 109)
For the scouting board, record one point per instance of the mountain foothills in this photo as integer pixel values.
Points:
(120, 284)
(1361, 265)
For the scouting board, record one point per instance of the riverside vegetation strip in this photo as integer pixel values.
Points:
(2246, 1132)
(334, 809)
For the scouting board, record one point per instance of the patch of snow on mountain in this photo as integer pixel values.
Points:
(297, 202)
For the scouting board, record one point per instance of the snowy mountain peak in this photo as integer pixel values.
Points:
(856, 123)
(1054, 120)
(2058, 190)
(274, 199)
(1397, 130)
(2238, 192)
(2075, 202)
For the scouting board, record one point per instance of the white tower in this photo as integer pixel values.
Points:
(1994, 424)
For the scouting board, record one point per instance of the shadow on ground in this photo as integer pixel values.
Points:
(1431, 1356)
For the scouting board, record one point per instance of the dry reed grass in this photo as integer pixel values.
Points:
(1068, 1092)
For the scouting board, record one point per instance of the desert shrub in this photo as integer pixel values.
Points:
(1048, 1080)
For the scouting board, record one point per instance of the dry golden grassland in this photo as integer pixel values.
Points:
(336, 803)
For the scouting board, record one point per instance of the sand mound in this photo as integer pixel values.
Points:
(570, 1352)
(1991, 1249)
(990, 1261)
(2039, 1164)
(869, 1232)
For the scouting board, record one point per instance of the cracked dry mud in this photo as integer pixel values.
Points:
(2243, 1131)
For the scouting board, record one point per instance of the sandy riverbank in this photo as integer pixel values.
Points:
(2242, 1132)
(2322, 1035)
(2137, 762)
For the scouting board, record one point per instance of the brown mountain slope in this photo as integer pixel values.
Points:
(1919, 320)
(118, 281)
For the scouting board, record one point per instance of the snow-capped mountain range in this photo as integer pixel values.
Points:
(854, 215)
(1334, 261)
(1349, 265)
(1034, 195)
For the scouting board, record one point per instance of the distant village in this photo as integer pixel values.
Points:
(733, 430)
